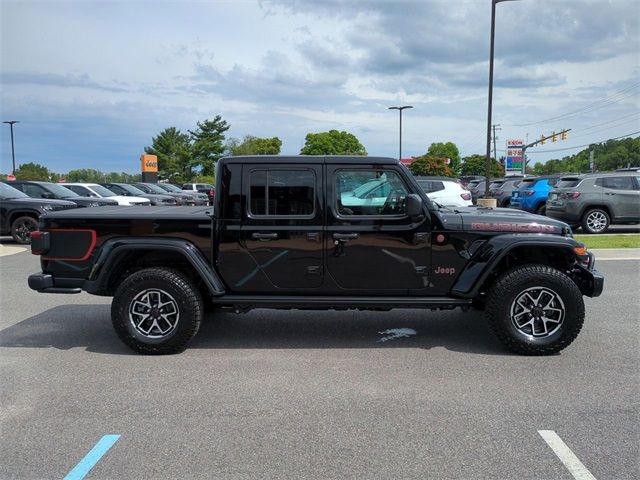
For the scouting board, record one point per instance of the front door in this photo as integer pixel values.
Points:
(372, 246)
(282, 228)
(622, 196)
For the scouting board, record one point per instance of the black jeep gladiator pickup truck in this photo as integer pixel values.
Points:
(318, 233)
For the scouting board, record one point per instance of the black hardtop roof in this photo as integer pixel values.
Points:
(312, 159)
(37, 182)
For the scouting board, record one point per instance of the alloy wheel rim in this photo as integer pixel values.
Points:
(597, 221)
(154, 313)
(24, 229)
(537, 312)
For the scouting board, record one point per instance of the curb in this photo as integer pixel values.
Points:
(616, 253)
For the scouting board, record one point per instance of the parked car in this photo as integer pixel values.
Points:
(98, 191)
(199, 198)
(300, 247)
(595, 201)
(445, 191)
(531, 193)
(56, 191)
(131, 191)
(501, 191)
(465, 180)
(19, 213)
(628, 169)
(207, 188)
(181, 198)
(476, 188)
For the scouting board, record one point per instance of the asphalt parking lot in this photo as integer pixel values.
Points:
(273, 394)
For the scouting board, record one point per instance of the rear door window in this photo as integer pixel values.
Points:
(568, 183)
(282, 193)
(616, 183)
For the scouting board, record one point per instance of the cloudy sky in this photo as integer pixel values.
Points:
(91, 82)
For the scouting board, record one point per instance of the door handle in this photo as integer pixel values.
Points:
(345, 236)
(609, 193)
(264, 237)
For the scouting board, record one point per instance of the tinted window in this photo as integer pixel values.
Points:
(495, 185)
(59, 191)
(526, 183)
(102, 191)
(369, 192)
(568, 182)
(79, 190)
(430, 186)
(552, 181)
(34, 191)
(282, 192)
(616, 183)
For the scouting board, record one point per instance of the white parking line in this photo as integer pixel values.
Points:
(564, 453)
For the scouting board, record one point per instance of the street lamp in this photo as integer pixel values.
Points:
(400, 109)
(13, 151)
(487, 166)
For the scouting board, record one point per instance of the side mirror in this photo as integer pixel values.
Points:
(413, 205)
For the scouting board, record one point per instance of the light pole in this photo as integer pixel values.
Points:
(487, 166)
(13, 151)
(400, 109)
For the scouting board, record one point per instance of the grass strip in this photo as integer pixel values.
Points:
(609, 241)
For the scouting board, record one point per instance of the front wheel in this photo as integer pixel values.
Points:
(21, 229)
(535, 310)
(157, 311)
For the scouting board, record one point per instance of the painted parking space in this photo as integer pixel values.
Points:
(84, 466)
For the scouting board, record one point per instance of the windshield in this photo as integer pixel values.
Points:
(102, 191)
(59, 190)
(131, 189)
(170, 188)
(7, 192)
(154, 188)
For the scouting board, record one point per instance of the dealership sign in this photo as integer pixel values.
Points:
(514, 155)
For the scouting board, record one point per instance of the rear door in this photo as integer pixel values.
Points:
(622, 196)
(282, 228)
(372, 246)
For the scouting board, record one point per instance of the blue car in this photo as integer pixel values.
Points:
(531, 194)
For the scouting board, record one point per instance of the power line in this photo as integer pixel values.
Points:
(581, 146)
(604, 102)
(615, 125)
(608, 122)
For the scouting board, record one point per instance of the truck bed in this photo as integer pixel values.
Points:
(134, 213)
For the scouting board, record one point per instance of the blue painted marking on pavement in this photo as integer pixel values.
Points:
(90, 459)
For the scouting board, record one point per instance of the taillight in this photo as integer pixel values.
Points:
(528, 193)
(211, 192)
(499, 193)
(570, 195)
(466, 196)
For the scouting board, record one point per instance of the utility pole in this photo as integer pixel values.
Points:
(591, 162)
(495, 151)
(13, 151)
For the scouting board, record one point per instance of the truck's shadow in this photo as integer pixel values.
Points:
(89, 326)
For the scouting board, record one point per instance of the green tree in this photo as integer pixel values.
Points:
(446, 150)
(208, 143)
(175, 154)
(430, 166)
(86, 175)
(251, 145)
(332, 142)
(475, 165)
(33, 171)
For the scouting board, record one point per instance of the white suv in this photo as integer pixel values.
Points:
(98, 191)
(447, 192)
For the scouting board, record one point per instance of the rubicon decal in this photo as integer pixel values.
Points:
(513, 227)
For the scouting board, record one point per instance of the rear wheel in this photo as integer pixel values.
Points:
(535, 310)
(157, 311)
(595, 220)
(21, 229)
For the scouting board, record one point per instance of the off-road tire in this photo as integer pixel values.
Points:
(589, 217)
(18, 226)
(511, 285)
(182, 295)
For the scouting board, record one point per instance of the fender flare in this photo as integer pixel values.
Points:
(111, 251)
(492, 251)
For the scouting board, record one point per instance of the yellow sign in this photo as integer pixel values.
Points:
(149, 163)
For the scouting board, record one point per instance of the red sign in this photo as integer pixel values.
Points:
(62, 179)
(11, 177)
